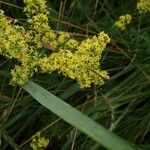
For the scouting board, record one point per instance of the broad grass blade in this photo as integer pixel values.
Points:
(76, 118)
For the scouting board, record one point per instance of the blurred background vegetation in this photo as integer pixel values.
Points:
(121, 105)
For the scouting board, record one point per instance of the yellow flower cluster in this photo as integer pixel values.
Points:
(42, 33)
(34, 7)
(37, 13)
(82, 65)
(21, 74)
(123, 21)
(45, 35)
(38, 142)
(77, 60)
(13, 44)
(143, 6)
(11, 38)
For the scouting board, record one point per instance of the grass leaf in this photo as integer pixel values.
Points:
(76, 118)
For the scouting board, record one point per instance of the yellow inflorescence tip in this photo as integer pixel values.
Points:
(123, 21)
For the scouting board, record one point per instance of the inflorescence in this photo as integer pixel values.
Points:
(74, 59)
(143, 6)
(123, 21)
(38, 142)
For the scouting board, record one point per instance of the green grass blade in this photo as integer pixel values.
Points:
(76, 118)
(70, 91)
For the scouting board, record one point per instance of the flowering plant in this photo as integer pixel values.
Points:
(77, 60)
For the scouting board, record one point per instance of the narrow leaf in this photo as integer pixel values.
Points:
(76, 118)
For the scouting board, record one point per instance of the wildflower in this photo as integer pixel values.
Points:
(21, 73)
(123, 21)
(34, 7)
(143, 6)
(12, 41)
(14, 44)
(39, 142)
(82, 65)
(77, 60)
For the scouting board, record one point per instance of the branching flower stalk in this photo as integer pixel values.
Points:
(77, 60)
